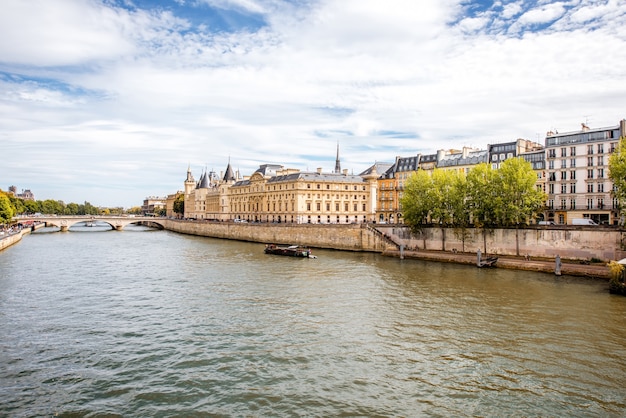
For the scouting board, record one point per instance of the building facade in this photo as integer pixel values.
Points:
(578, 184)
(276, 194)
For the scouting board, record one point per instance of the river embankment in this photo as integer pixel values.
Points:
(582, 251)
(10, 239)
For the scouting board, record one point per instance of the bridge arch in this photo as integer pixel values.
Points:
(118, 223)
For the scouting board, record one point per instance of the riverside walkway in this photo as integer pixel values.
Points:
(568, 267)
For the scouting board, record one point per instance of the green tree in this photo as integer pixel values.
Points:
(32, 206)
(617, 174)
(52, 207)
(520, 200)
(135, 210)
(72, 209)
(482, 196)
(417, 199)
(6, 209)
(179, 204)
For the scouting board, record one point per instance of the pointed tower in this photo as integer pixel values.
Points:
(229, 175)
(337, 162)
(190, 183)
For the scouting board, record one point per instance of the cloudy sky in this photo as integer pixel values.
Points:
(109, 101)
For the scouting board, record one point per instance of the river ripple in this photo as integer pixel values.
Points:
(152, 323)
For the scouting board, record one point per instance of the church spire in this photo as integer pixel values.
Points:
(337, 162)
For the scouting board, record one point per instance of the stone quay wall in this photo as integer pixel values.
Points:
(349, 237)
(574, 243)
(570, 242)
(7, 241)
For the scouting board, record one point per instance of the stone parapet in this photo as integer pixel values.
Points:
(350, 237)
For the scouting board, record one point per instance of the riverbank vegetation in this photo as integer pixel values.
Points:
(11, 206)
(485, 197)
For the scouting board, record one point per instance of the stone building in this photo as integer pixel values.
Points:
(277, 194)
(208, 197)
(578, 184)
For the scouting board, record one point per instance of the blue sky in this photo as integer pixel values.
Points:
(110, 101)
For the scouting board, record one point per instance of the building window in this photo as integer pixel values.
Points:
(551, 187)
(563, 175)
(572, 162)
(590, 188)
(327, 207)
(319, 206)
(563, 204)
(590, 174)
(563, 163)
(572, 188)
(494, 157)
(563, 152)
(319, 186)
(601, 173)
(600, 148)
(589, 203)
(572, 151)
(563, 188)
(572, 175)
(600, 187)
(600, 203)
(601, 160)
(589, 161)
(551, 203)
(572, 204)
(589, 149)
(552, 153)
(336, 207)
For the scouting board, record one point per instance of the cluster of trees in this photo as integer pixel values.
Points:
(485, 197)
(11, 206)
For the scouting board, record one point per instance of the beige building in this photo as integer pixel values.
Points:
(276, 194)
(578, 183)
(152, 204)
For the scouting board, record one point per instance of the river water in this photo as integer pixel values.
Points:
(152, 323)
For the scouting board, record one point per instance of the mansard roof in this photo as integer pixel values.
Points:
(472, 158)
(402, 164)
(269, 169)
(315, 176)
(376, 168)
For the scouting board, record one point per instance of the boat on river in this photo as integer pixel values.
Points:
(289, 250)
(488, 262)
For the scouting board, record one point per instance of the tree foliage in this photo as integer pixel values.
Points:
(179, 204)
(6, 209)
(519, 199)
(487, 197)
(617, 173)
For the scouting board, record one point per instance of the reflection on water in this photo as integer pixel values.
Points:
(159, 324)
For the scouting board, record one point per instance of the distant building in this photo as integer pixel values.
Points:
(152, 204)
(498, 153)
(25, 195)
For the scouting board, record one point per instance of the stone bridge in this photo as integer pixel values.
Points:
(117, 222)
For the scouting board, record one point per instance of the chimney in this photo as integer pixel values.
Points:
(319, 170)
(345, 171)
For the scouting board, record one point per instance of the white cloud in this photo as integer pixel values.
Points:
(125, 99)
